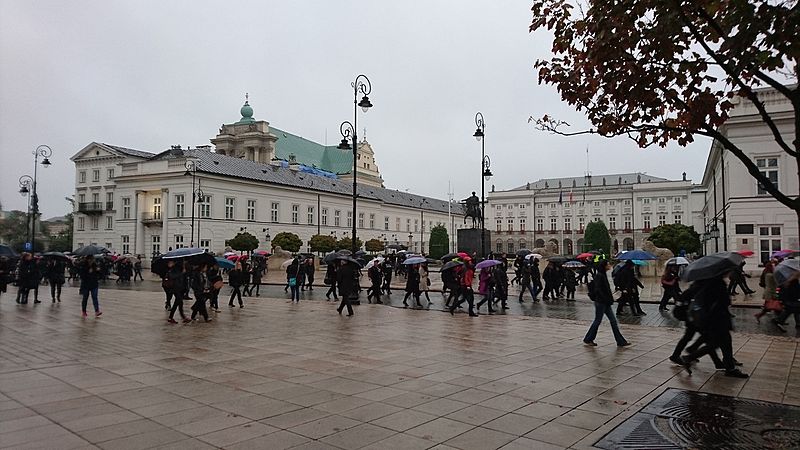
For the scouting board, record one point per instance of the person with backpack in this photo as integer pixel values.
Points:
(672, 289)
(600, 293)
(681, 313)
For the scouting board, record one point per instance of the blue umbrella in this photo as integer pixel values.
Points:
(224, 263)
(415, 260)
(637, 254)
(183, 253)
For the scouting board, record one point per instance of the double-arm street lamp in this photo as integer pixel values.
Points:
(486, 174)
(360, 85)
(28, 186)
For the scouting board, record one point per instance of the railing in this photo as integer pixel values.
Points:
(90, 207)
(151, 218)
(109, 206)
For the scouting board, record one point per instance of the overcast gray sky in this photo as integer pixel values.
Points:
(150, 74)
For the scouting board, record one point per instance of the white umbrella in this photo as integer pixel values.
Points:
(678, 261)
(785, 270)
(286, 263)
(372, 263)
(533, 256)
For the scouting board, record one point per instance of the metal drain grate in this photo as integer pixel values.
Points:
(680, 419)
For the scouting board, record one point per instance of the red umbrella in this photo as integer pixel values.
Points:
(261, 252)
(233, 258)
(463, 255)
(586, 255)
(746, 253)
(243, 257)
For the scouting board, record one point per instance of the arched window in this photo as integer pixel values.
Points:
(568, 248)
(511, 246)
(523, 244)
(554, 241)
(539, 243)
(627, 244)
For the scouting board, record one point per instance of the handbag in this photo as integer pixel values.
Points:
(217, 285)
(293, 281)
(773, 305)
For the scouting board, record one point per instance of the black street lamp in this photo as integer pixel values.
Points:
(360, 85)
(422, 225)
(25, 187)
(486, 173)
(28, 185)
(191, 170)
(714, 234)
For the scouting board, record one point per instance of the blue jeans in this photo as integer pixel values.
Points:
(530, 287)
(601, 309)
(295, 292)
(85, 300)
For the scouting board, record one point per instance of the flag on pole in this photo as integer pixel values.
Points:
(560, 197)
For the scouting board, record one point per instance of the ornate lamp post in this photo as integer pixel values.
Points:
(28, 185)
(486, 173)
(25, 187)
(191, 170)
(714, 234)
(360, 85)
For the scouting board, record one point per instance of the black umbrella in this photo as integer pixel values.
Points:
(349, 259)
(329, 258)
(7, 251)
(449, 257)
(710, 266)
(344, 252)
(183, 253)
(90, 250)
(523, 252)
(55, 255)
(558, 259)
(450, 264)
(396, 246)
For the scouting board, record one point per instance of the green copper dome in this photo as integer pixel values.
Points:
(247, 112)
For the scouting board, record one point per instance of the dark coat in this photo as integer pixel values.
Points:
(602, 289)
(412, 281)
(346, 279)
(235, 278)
(29, 274)
(90, 276)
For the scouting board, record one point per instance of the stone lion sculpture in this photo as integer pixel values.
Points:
(549, 249)
(663, 254)
(279, 256)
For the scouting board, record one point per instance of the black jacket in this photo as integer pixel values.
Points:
(346, 279)
(602, 289)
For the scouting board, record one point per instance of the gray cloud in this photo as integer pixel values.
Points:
(149, 74)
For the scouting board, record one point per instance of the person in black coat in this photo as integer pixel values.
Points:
(627, 282)
(90, 274)
(309, 269)
(412, 285)
(202, 289)
(55, 276)
(346, 282)
(550, 276)
(375, 274)
(214, 276)
(28, 279)
(173, 283)
(600, 293)
(235, 280)
(388, 271)
(330, 280)
(5, 273)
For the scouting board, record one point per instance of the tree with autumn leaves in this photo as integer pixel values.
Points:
(668, 70)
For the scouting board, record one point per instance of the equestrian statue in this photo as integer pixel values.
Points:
(472, 205)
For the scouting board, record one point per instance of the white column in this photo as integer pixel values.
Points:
(138, 209)
(164, 215)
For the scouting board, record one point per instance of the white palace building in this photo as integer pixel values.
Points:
(257, 178)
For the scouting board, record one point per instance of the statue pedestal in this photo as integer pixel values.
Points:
(469, 240)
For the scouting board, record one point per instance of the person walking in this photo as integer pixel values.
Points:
(486, 288)
(167, 284)
(55, 277)
(672, 289)
(137, 268)
(375, 274)
(681, 312)
(466, 288)
(90, 275)
(388, 271)
(27, 279)
(346, 281)
(767, 281)
(627, 282)
(451, 279)
(424, 281)
(201, 288)
(5, 273)
(330, 280)
(215, 280)
(500, 279)
(257, 274)
(309, 272)
(174, 285)
(550, 276)
(526, 284)
(570, 283)
(412, 285)
(293, 278)
(244, 276)
(600, 293)
(790, 297)
(235, 281)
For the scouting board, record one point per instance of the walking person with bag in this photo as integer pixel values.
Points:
(600, 293)
(767, 281)
(293, 273)
(672, 289)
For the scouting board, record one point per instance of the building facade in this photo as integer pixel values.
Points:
(258, 179)
(556, 210)
(743, 214)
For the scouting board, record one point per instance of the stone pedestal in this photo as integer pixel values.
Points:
(469, 240)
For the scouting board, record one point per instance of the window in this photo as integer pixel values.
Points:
(566, 204)
(205, 206)
(553, 224)
(522, 206)
(81, 198)
(626, 202)
(499, 247)
(498, 207)
(361, 221)
(179, 241)
(769, 168)
(662, 220)
(82, 176)
(126, 244)
(510, 225)
(126, 207)
(156, 243)
(180, 205)
(646, 221)
(96, 175)
(96, 197)
(273, 214)
(539, 206)
(230, 206)
(662, 200)
(745, 229)
(109, 222)
(310, 215)
(522, 225)
(372, 221)
(109, 201)
(510, 247)
(677, 218)
(509, 206)
(109, 174)
(676, 199)
(156, 207)
(553, 205)
(94, 223)
(386, 223)
(567, 223)
(499, 225)
(416, 225)
(612, 223)
(769, 241)
(81, 223)
(295, 214)
(337, 218)
(349, 219)
(581, 223)
(251, 210)
(596, 203)
(646, 201)
(397, 224)
(539, 224)
(408, 224)
(627, 221)
(205, 244)
(324, 217)
(612, 203)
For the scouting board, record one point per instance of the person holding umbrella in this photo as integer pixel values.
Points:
(54, 271)
(216, 281)
(790, 297)
(600, 293)
(525, 283)
(412, 284)
(330, 280)
(450, 273)
(375, 274)
(424, 281)
(235, 281)
(767, 281)
(173, 284)
(90, 275)
(346, 281)
(202, 290)
(486, 287)
(388, 271)
(293, 278)
(466, 288)
(28, 277)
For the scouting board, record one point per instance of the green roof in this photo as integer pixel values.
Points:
(309, 153)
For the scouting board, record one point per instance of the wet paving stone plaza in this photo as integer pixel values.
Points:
(275, 375)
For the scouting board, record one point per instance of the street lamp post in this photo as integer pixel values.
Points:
(191, 170)
(486, 173)
(348, 130)
(45, 152)
(25, 187)
(422, 225)
(714, 233)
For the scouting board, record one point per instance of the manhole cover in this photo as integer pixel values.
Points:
(680, 419)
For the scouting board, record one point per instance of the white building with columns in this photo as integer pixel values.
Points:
(259, 179)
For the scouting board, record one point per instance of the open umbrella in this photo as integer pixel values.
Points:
(746, 253)
(232, 258)
(523, 252)
(372, 263)
(449, 257)
(639, 262)
(487, 263)
(55, 255)
(585, 255)
(224, 263)
(782, 254)
(286, 263)
(463, 255)
(349, 259)
(396, 246)
(637, 254)
(573, 264)
(711, 266)
(415, 260)
(183, 253)
(678, 261)
(344, 252)
(533, 256)
(785, 270)
(329, 258)
(7, 251)
(261, 253)
(90, 250)
(558, 259)
(451, 264)
(159, 266)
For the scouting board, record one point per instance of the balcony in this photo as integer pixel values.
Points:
(109, 206)
(91, 208)
(627, 230)
(552, 232)
(151, 219)
(646, 230)
(612, 231)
